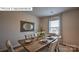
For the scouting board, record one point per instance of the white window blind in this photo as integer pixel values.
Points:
(54, 26)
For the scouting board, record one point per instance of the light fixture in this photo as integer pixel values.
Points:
(51, 12)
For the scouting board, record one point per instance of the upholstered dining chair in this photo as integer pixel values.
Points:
(35, 35)
(54, 46)
(27, 36)
(9, 46)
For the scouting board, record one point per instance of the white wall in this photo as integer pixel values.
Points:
(10, 25)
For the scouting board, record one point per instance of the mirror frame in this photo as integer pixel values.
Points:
(21, 26)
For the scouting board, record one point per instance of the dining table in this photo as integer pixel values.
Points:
(35, 44)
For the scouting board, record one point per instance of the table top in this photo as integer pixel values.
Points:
(35, 45)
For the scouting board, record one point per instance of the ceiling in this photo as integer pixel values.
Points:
(48, 11)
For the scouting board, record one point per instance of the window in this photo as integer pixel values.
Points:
(54, 26)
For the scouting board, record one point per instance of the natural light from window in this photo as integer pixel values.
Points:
(54, 26)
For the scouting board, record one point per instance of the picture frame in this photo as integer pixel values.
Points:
(26, 26)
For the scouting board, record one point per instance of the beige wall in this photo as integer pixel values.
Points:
(43, 23)
(70, 27)
(10, 25)
(0, 33)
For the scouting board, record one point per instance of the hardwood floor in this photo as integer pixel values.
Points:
(63, 48)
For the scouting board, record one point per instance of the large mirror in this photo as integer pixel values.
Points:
(26, 26)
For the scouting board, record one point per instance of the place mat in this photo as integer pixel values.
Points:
(42, 42)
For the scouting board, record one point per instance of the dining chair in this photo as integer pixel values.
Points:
(32, 36)
(9, 46)
(25, 36)
(28, 36)
(53, 47)
(35, 35)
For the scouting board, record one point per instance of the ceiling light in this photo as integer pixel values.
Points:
(51, 12)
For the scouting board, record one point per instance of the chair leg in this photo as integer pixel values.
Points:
(57, 49)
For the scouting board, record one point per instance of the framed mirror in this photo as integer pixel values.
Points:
(26, 26)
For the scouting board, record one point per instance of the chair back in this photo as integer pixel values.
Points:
(25, 36)
(54, 46)
(9, 46)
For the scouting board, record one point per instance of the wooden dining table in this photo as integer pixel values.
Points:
(35, 45)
